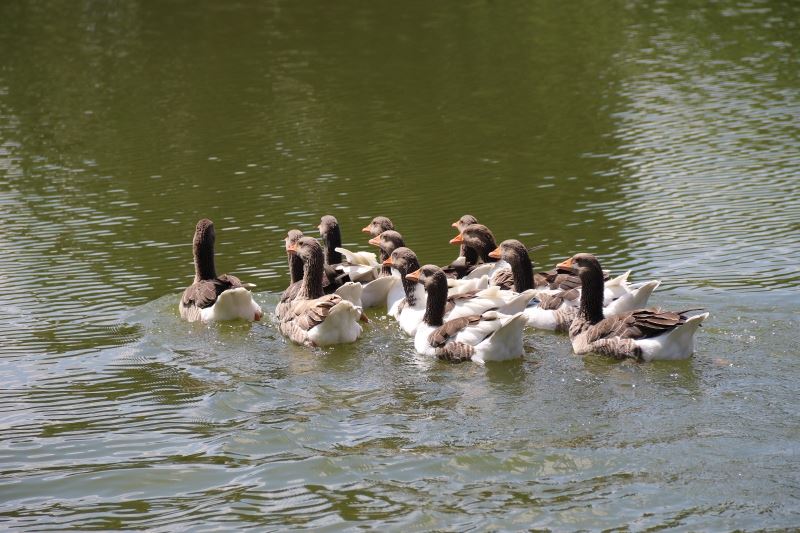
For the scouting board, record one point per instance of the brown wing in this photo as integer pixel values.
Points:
(309, 313)
(204, 293)
(504, 279)
(639, 324)
(554, 301)
(455, 352)
(441, 335)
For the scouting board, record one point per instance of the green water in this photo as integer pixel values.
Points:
(662, 136)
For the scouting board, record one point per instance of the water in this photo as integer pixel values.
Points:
(661, 136)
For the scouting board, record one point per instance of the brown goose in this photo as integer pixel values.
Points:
(477, 241)
(211, 297)
(388, 241)
(460, 224)
(490, 336)
(460, 303)
(314, 318)
(295, 272)
(378, 226)
(408, 309)
(643, 334)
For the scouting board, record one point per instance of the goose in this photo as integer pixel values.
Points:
(211, 297)
(388, 241)
(386, 289)
(410, 310)
(557, 309)
(490, 336)
(459, 225)
(342, 265)
(314, 318)
(378, 226)
(476, 241)
(642, 334)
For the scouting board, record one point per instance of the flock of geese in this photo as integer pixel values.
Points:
(475, 308)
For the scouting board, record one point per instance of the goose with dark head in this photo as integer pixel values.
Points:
(314, 318)
(641, 334)
(378, 226)
(388, 241)
(211, 297)
(490, 336)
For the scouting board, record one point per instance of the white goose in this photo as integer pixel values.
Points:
(211, 297)
(491, 336)
(642, 334)
(314, 318)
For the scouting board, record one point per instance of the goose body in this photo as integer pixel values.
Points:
(641, 334)
(476, 241)
(491, 336)
(313, 318)
(557, 308)
(211, 297)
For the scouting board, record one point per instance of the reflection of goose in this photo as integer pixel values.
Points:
(491, 336)
(643, 334)
(211, 297)
(314, 318)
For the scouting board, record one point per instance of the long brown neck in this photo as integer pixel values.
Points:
(522, 270)
(470, 255)
(295, 268)
(437, 299)
(592, 294)
(487, 246)
(204, 257)
(314, 264)
(409, 287)
(333, 240)
(385, 270)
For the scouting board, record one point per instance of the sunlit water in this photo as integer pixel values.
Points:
(661, 137)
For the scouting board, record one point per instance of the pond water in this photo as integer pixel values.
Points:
(662, 136)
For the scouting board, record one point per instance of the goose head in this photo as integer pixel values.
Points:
(463, 222)
(476, 237)
(388, 241)
(378, 226)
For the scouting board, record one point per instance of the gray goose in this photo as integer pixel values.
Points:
(490, 336)
(388, 241)
(460, 224)
(211, 297)
(378, 226)
(477, 241)
(314, 318)
(642, 334)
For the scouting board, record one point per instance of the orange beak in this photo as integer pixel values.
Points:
(366, 229)
(455, 224)
(292, 248)
(388, 262)
(414, 276)
(458, 239)
(375, 241)
(567, 264)
(495, 254)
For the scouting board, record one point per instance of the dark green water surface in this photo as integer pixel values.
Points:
(663, 136)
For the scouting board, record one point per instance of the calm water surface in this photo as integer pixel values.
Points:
(662, 136)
